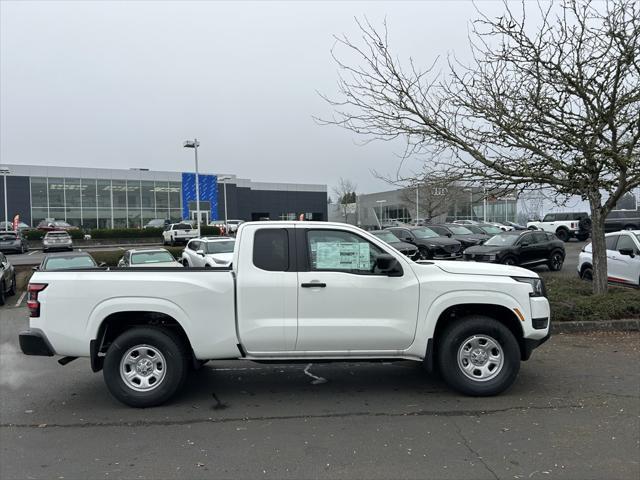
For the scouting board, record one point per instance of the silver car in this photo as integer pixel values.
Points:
(151, 258)
(57, 240)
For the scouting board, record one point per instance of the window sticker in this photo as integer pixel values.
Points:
(342, 256)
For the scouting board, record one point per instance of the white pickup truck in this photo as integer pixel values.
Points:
(296, 291)
(178, 233)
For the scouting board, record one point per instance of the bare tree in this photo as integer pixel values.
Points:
(345, 193)
(555, 104)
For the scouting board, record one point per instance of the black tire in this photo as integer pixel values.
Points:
(587, 273)
(585, 224)
(172, 242)
(562, 234)
(451, 343)
(12, 289)
(176, 357)
(509, 260)
(3, 296)
(555, 261)
(185, 263)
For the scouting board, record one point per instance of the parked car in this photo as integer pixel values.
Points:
(178, 233)
(465, 222)
(66, 261)
(484, 230)
(502, 226)
(148, 258)
(460, 233)
(430, 245)
(406, 248)
(622, 220)
(565, 225)
(298, 292)
(157, 223)
(208, 252)
(623, 258)
(9, 226)
(516, 226)
(7, 279)
(55, 225)
(11, 241)
(523, 248)
(57, 240)
(232, 225)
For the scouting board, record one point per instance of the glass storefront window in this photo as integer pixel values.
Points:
(72, 192)
(119, 217)
(119, 193)
(56, 193)
(174, 195)
(39, 192)
(148, 195)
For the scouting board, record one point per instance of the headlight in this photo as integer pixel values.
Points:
(219, 261)
(537, 284)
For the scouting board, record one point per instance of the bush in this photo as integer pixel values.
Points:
(39, 234)
(572, 299)
(126, 233)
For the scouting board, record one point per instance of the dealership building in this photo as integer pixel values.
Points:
(116, 198)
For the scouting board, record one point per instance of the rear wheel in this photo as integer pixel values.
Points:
(555, 262)
(587, 273)
(144, 366)
(562, 234)
(478, 356)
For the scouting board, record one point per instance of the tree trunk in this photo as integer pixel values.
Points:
(598, 248)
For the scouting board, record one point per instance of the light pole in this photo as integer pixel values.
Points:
(5, 172)
(380, 202)
(226, 220)
(195, 144)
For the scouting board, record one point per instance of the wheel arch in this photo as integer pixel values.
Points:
(501, 313)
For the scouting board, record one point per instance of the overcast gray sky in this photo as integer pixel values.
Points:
(122, 84)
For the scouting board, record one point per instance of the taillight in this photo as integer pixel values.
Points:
(32, 299)
(573, 224)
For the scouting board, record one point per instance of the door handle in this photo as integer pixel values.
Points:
(313, 285)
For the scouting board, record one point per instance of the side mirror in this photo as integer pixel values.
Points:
(525, 244)
(36, 268)
(389, 265)
(200, 252)
(408, 240)
(102, 264)
(449, 235)
(627, 251)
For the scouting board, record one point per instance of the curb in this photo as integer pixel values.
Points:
(624, 325)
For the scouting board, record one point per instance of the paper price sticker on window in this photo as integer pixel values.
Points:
(342, 256)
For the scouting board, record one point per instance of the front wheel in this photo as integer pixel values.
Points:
(509, 260)
(145, 366)
(562, 234)
(13, 288)
(478, 356)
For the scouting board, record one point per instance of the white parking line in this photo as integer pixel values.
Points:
(32, 252)
(21, 298)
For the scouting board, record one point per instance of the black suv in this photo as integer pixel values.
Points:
(622, 220)
(430, 245)
(520, 247)
(460, 233)
(405, 248)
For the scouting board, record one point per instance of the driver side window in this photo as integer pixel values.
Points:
(334, 250)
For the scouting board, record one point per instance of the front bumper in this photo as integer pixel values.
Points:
(529, 345)
(35, 342)
(57, 246)
(10, 248)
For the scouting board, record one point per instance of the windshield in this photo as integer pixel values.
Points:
(58, 223)
(142, 258)
(424, 232)
(386, 237)
(458, 230)
(491, 229)
(219, 247)
(182, 226)
(502, 240)
(61, 263)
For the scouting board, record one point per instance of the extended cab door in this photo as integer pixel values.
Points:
(267, 289)
(344, 304)
(624, 268)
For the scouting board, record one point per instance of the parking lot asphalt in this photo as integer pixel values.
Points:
(573, 413)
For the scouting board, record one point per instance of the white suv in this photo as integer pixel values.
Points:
(565, 225)
(208, 252)
(623, 258)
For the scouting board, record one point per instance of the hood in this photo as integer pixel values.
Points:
(159, 265)
(487, 249)
(221, 257)
(403, 246)
(474, 268)
(440, 241)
